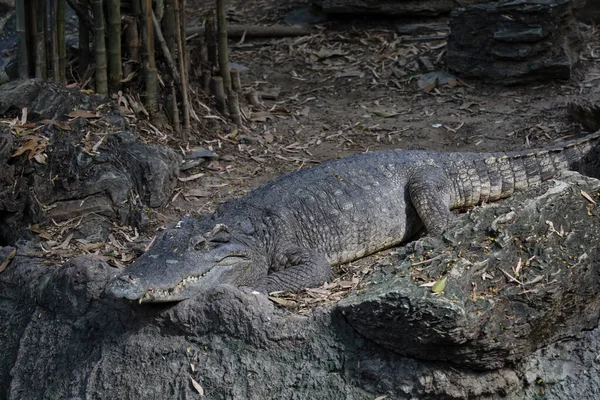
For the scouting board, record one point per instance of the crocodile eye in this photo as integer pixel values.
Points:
(221, 237)
(198, 242)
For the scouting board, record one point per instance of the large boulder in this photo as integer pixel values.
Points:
(66, 171)
(520, 274)
(514, 42)
(59, 327)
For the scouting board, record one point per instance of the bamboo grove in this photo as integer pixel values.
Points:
(138, 45)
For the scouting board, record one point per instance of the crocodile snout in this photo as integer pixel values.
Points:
(126, 286)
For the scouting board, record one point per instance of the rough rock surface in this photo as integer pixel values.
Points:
(102, 171)
(58, 327)
(393, 7)
(485, 319)
(515, 41)
(590, 11)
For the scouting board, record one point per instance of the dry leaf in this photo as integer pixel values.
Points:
(260, 116)
(517, 268)
(40, 157)
(62, 125)
(283, 302)
(269, 138)
(384, 114)
(7, 260)
(82, 114)
(24, 116)
(197, 386)
(191, 177)
(326, 53)
(588, 197)
(197, 193)
(34, 146)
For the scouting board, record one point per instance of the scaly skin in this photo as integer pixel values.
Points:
(287, 234)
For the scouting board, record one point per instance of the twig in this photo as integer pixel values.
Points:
(165, 49)
(426, 261)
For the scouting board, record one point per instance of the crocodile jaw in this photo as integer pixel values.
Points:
(185, 280)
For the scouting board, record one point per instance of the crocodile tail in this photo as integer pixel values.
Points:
(531, 167)
(499, 175)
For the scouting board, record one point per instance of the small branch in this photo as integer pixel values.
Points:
(251, 31)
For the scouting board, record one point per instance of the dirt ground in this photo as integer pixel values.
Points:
(351, 87)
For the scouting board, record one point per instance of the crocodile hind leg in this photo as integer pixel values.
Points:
(299, 268)
(430, 194)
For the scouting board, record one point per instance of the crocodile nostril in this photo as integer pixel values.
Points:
(127, 279)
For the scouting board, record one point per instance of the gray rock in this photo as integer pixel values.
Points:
(44, 100)
(589, 11)
(514, 42)
(485, 319)
(58, 326)
(75, 182)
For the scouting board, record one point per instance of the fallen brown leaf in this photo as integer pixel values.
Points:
(198, 387)
(7, 260)
(82, 114)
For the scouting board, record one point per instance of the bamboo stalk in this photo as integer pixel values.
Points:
(183, 27)
(222, 43)
(115, 67)
(22, 58)
(132, 39)
(151, 95)
(182, 70)
(218, 90)
(210, 40)
(40, 40)
(61, 41)
(175, 110)
(84, 40)
(54, 40)
(101, 74)
(234, 108)
(169, 27)
(236, 81)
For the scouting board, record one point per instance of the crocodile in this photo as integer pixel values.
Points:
(288, 233)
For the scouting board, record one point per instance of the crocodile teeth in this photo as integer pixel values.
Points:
(153, 293)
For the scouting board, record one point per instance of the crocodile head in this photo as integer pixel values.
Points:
(184, 261)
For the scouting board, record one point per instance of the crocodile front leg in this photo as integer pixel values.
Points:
(431, 193)
(300, 268)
